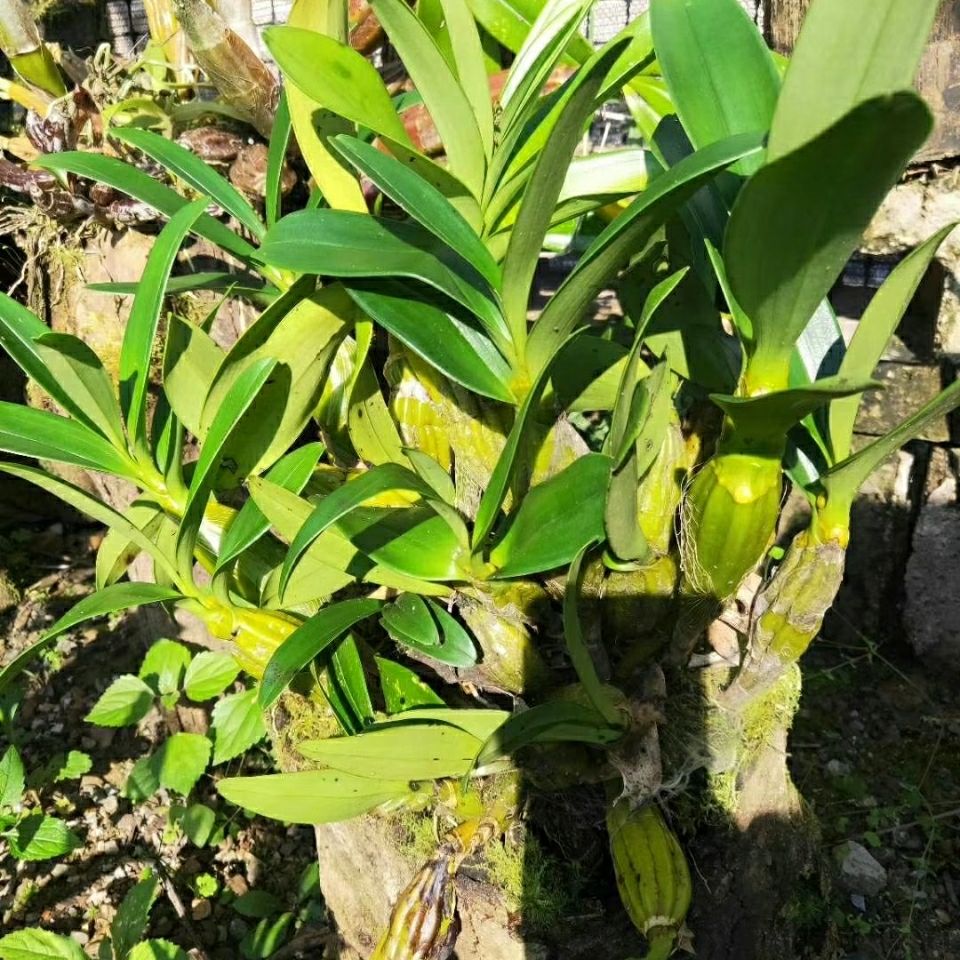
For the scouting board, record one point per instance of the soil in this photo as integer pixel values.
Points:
(78, 895)
(874, 751)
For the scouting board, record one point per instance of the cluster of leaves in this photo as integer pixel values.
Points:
(31, 834)
(168, 673)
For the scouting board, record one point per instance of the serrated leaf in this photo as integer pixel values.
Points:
(209, 674)
(181, 761)
(198, 822)
(74, 765)
(34, 944)
(12, 779)
(157, 950)
(126, 701)
(164, 665)
(133, 915)
(236, 726)
(39, 837)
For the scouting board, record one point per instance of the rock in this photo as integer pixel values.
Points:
(859, 872)
(838, 768)
(906, 388)
(201, 909)
(110, 805)
(932, 582)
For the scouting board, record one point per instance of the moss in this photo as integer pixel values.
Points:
(295, 719)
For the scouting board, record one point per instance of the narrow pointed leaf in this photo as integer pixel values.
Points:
(873, 333)
(276, 157)
(136, 352)
(292, 473)
(39, 434)
(457, 350)
(308, 641)
(422, 201)
(193, 171)
(624, 237)
(440, 88)
(120, 596)
(129, 180)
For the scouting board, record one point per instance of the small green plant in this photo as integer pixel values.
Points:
(168, 674)
(126, 940)
(27, 832)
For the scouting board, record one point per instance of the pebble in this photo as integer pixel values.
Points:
(59, 870)
(110, 805)
(238, 884)
(238, 928)
(943, 917)
(860, 872)
(201, 909)
(80, 937)
(838, 768)
(90, 782)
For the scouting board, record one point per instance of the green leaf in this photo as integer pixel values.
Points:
(164, 665)
(302, 331)
(548, 723)
(292, 473)
(413, 622)
(34, 944)
(543, 191)
(12, 780)
(313, 796)
(79, 372)
(308, 641)
(873, 333)
(456, 349)
(45, 436)
(237, 725)
(266, 938)
(469, 63)
(627, 234)
(771, 415)
(191, 360)
(555, 520)
(350, 677)
(448, 105)
(222, 436)
(220, 281)
(847, 53)
(276, 156)
(846, 478)
(422, 201)
(181, 761)
(126, 701)
(136, 352)
(402, 689)
(336, 77)
(198, 822)
(193, 171)
(133, 916)
(400, 751)
(341, 243)
(480, 723)
(257, 904)
(39, 837)
(20, 335)
(336, 505)
(129, 180)
(156, 949)
(119, 596)
(74, 765)
(797, 221)
(209, 674)
(577, 647)
(439, 481)
(720, 74)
